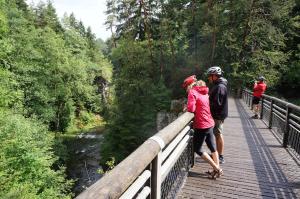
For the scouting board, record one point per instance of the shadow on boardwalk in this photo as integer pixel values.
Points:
(268, 170)
(256, 165)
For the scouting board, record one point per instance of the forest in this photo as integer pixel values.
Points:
(58, 79)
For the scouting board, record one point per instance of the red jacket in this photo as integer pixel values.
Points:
(259, 89)
(198, 103)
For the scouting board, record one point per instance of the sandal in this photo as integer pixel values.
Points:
(209, 172)
(220, 173)
(216, 173)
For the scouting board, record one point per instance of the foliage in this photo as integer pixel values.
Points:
(57, 73)
(48, 73)
(26, 158)
(289, 84)
(110, 164)
(139, 96)
(180, 38)
(10, 95)
(54, 68)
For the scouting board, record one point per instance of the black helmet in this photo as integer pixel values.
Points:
(261, 78)
(215, 70)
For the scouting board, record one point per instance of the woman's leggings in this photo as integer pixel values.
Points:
(202, 135)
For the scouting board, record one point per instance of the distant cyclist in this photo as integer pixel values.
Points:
(218, 105)
(258, 90)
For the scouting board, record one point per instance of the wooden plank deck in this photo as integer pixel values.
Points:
(256, 165)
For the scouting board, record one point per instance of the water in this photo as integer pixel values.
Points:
(82, 166)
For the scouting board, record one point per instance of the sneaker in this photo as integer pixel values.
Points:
(221, 160)
(255, 117)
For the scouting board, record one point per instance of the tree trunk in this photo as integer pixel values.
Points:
(161, 54)
(213, 43)
(147, 29)
(247, 27)
(113, 36)
(213, 34)
(58, 116)
(171, 43)
(194, 27)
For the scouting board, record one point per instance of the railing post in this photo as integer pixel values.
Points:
(247, 94)
(287, 126)
(156, 177)
(251, 101)
(243, 95)
(262, 107)
(271, 114)
(248, 98)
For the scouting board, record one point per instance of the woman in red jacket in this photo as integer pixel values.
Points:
(198, 103)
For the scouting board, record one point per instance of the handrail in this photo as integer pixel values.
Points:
(136, 185)
(117, 181)
(282, 117)
(282, 102)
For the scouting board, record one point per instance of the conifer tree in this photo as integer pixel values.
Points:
(140, 94)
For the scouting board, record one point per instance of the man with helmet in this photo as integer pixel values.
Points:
(258, 90)
(218, 105)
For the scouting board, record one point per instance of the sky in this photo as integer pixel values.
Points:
(90, 12)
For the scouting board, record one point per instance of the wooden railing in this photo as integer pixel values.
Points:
(155, 169)
(282, 117)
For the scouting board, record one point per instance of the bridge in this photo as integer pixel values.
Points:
(262, 159)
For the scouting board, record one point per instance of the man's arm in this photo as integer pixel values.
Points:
(221, 94)
(217, 104)
(255, 86)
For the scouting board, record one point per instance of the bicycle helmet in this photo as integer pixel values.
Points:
(261, 78)
(215, 70)
(189, 80)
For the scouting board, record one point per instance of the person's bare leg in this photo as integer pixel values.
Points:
(220, 143)
(215, 157)
(256, 109)
(208, 159)
(217, 171)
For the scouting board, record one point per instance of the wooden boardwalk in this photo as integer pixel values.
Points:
(256, 165)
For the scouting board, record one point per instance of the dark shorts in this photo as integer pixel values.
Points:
(218, 128)
(255, 100)
(202, 135)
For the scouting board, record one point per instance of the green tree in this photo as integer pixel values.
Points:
(26, 158)
(111, 19)
(48, 75)
(46, 16)
(139, 96)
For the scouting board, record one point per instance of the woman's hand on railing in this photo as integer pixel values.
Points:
(184, 108)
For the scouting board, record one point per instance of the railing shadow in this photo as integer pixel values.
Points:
(270, 176)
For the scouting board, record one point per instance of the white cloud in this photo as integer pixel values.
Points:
(90, 12)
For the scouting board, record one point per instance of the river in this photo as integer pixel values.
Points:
(84, 158)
